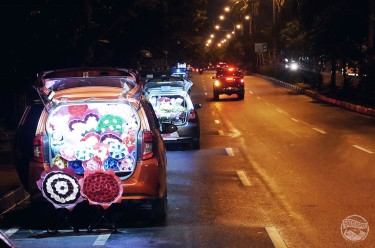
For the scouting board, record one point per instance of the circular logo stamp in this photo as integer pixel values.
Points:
(354, 228)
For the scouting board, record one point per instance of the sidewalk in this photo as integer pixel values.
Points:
(317, 96)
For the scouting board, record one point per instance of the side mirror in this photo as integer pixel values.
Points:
(168, 128)
(197, 106)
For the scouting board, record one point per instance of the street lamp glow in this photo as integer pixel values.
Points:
(212, 36)
(247, 17)
(229, 36)
(238, 26)
(221, 17)
(217, 27)
(219, 44)
(209, 41)
(226, 9)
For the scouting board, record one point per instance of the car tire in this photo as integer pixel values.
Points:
(196, 144)
(159, 208)
(241, 96)
(216, 96)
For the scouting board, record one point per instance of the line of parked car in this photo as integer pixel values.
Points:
(101, 119)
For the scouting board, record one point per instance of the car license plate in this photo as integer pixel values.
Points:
(170, 135)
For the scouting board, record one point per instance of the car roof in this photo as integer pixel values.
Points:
(167, 83)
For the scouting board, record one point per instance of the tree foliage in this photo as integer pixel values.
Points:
(49, 34)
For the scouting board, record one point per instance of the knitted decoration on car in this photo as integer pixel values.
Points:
(101, 187)
(60, 187)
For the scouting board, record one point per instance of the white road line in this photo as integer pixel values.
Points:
(217, 121)
(102, 239)
(319, 130)
(277, 241)
(205, 93)
(11, 231)
(229, 151)
(259, 98)
(245, 181)
(294, 119)
(267, 103)
(251, 92)
(363, 149)
(280, 110)
(221, 132)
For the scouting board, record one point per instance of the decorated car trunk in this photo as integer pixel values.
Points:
(170, 108)
(90, 136)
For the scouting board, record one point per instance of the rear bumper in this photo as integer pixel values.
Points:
(186, 134)
(147, 182)
(229, 90)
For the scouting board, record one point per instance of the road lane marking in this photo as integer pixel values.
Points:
(319, 130)
(205, 93)
(280, 110)
(229, 151)
(11, 231)
(245, 181)
(251, 92)
(221, 132)
(102, 239)
(294, 119)
(363, 149)
(217, 121)
(276, 239)
(259, 98)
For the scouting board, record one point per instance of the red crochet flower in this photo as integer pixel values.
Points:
(101, 187)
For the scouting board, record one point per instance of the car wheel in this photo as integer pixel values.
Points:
(196, 144)
(216, 96)
(159, 208)
(241, 96)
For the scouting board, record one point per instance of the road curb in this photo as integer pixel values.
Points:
(314, 95)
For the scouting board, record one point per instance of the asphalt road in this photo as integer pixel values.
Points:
(274, 170)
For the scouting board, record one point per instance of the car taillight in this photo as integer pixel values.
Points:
(40, 152)
(147, 145)
(228, 79)
(192, 115)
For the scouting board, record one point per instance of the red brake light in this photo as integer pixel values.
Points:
(147, 145)
(192, 115)
(229, 79)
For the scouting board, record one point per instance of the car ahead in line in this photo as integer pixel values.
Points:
(89, 119)
(172, 103)
(228, 81)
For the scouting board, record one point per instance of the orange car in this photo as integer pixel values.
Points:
(94, 119)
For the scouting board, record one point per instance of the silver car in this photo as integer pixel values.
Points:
(169, 95)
